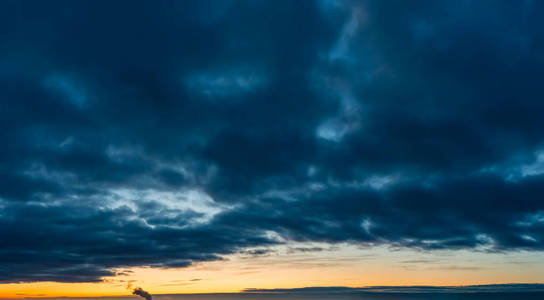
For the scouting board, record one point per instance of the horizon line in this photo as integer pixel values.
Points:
(381, 289)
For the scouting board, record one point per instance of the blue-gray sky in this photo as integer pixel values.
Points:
(165, 133)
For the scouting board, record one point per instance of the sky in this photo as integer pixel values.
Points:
(215, 146)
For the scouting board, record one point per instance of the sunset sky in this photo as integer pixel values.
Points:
(215, 146)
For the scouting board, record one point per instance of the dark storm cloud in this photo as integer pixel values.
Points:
(166, 133)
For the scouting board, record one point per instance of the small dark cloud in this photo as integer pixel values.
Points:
(419, 261)
(305, 249)
(124, 272)
(257, 252)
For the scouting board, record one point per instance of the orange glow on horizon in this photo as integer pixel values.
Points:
(346, 266)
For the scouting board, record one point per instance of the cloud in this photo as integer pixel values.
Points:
(470, 289)
(221, 84)
(373, 123)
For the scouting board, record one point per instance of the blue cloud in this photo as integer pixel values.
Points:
(162, 133)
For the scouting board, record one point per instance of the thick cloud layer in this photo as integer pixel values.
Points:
(165, 133)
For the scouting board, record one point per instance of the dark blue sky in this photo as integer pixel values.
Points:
(163, 133)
